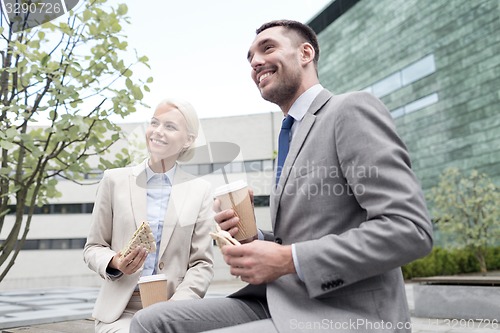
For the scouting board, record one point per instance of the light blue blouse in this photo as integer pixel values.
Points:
(159, 187)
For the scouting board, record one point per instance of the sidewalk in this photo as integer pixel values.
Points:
(68, 310)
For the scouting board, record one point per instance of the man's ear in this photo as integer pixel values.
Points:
(307, 53)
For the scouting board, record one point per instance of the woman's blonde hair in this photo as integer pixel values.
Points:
(192, 123)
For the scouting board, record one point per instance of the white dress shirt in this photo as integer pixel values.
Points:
(297, 112)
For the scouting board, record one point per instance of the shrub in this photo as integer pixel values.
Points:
(450, 262)
(466, 208)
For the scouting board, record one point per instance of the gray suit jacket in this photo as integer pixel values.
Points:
(348, 199)
(185, 254)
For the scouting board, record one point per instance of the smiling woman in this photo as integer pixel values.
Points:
(178, 208)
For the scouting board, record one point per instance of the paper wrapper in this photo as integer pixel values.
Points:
(223, 238)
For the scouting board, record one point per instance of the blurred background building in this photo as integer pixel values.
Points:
(435, 64)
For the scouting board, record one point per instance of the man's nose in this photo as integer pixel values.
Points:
(257, 61)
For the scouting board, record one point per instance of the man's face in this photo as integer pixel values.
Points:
(276, 68)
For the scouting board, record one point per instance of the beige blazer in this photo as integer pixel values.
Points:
(185, 254)
(349, 201)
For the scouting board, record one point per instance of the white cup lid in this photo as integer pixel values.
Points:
(231, 187)
(152, 278)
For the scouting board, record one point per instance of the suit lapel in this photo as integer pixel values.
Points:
(176, 204)
(295, 146)
(138, 193)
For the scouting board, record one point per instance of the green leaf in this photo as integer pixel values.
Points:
(122, 9)
(128, 73)
(87, 14)
(11, 132)
(137, 93)
(129, 84)
(6, 144)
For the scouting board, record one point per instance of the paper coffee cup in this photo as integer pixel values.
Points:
(153, 289)
(235, 196)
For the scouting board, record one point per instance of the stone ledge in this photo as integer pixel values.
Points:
(457, 300)
(74, 326)
(460, 280)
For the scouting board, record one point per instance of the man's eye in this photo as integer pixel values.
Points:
(268, 47)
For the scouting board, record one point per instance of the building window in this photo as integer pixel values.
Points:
(237, 167)
(267, 165)
(261, 201)
(44, 244)
(62, 244)
(403, 77)
(94, 174)
(232, 167)
(415, 105)
(205, 169)
(53, 244)
(387, 85)
(80, 208)
(68, 209)
(190, 168)
(421, 103)
(253, 166)
(418, 70)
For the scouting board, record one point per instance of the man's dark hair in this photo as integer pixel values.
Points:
(303, 30)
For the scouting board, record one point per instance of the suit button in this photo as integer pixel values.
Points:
(161, 265)
(331, 284)
(278, 241)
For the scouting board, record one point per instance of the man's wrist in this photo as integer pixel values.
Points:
(296, 263)
(288, 260)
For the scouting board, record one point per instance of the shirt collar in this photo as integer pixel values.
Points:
(150, 173)
(302, 104)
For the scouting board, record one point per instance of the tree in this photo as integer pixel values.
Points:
(70, 76)
(467, 209)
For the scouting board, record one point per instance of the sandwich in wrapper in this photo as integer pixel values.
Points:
(143, 236)
(222, 237)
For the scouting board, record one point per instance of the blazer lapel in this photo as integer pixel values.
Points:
(138, 193)
(176, 204)
(296, 145)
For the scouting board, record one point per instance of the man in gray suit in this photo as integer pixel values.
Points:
(347, 212)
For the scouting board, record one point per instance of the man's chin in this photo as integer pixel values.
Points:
(266, 95)
(269, 98)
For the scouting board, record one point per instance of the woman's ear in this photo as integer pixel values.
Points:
(189, 141)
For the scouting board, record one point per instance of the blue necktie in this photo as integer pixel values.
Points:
(283, 144)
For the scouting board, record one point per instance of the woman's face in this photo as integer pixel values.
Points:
(167, 134)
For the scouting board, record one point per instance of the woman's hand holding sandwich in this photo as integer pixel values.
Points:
(131, 262)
